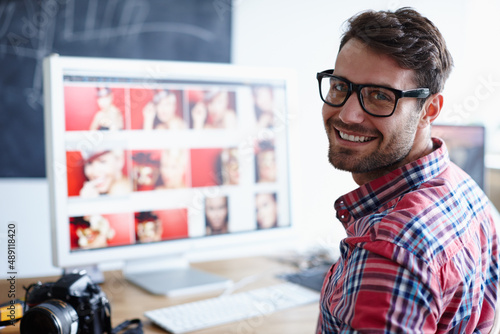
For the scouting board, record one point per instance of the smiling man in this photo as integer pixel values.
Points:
(421, 252)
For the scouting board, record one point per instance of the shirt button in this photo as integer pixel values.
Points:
(343, 215)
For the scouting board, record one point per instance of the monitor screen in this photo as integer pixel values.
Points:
(466, 146)
(157, 157)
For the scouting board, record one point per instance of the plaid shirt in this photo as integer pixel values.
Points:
(421, 254)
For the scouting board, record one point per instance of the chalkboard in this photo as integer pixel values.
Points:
(187, 30)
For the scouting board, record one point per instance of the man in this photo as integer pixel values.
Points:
(421, 249)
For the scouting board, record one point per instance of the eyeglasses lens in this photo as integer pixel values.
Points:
(333, 90)
(376, 100)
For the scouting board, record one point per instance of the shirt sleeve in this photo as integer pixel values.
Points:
(376, 295)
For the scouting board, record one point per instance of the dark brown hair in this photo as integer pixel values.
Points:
(412, 40)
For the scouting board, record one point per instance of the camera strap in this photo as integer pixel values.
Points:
(124, 326)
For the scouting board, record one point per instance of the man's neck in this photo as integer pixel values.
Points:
(415, 154)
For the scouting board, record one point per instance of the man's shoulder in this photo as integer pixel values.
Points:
(438, 215)
(451, 188)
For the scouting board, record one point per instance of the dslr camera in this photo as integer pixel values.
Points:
(72, 305)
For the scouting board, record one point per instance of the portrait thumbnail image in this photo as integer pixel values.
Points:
(212, 109)
(265, 162)
(264, 105)
(216, 215)
(101, 231)
(266, 210)
(157, 109)
(160, 169)
(101, 172)
(94, 108)
(159, 225)
(214, 167)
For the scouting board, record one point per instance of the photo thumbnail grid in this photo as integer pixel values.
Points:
(113, 173)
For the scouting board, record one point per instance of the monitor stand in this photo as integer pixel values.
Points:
(172, 277)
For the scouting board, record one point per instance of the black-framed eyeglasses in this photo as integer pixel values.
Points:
(376, 100)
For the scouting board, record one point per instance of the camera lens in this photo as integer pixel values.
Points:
(51, 317)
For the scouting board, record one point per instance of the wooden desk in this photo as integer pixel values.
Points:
(129, 301)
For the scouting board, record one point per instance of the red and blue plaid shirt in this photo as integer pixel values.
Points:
(421, 254)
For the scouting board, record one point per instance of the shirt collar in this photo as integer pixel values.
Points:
(369, 197)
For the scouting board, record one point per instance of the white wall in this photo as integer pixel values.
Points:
(303, 35)
(25, 202)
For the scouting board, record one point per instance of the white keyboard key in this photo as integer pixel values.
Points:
(225, 309)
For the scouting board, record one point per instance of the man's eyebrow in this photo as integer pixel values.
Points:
(368, 83)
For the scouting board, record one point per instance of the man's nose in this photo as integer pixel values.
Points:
(352, 112)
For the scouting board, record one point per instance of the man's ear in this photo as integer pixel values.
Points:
(431, 110)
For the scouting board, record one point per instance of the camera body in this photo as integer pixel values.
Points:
(72, 305)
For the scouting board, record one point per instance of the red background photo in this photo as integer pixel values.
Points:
(121, 223)
(203, 167)
(75, 173)
(80, 106)
(139, 97)
(146, 169)
(152, 159)
(174, 223)
(195, 96)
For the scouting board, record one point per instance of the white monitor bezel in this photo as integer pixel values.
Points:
(54, 68)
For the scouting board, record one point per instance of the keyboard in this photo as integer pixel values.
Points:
(188, 317)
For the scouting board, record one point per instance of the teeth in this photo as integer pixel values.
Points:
(358, 139)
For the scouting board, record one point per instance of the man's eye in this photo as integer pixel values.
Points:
(381, 95)
(340, 87)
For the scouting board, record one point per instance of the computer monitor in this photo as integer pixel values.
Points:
(156, 162)
(466, 146)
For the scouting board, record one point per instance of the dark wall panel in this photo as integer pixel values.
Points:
(187, 30)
